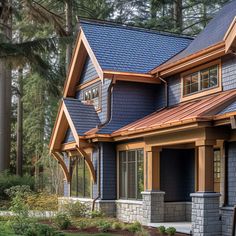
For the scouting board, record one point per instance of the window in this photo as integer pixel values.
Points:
(131, 174)
(80, 182)
(201, 80)
(93, 95)
(217, 167)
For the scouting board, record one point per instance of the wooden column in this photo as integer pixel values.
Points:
(152, 168)
(205, 165)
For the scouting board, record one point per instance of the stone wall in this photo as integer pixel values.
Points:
(177, 211)
(227, 220)
(129, 211)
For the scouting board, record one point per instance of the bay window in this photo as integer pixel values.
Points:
(131, 174)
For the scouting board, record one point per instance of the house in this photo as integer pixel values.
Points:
(146, 129)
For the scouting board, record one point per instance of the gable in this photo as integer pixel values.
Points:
(89, 71)
(69, 136)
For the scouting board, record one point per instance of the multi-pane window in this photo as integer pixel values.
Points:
(131, 174)
(201, 80)
(93, 95)
(80, 182)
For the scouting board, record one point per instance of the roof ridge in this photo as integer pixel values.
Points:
(131, 27)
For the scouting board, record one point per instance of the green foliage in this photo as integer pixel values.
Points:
(134, 227)
(117, 225)
(104, 226)
(95, 214)
(161, 229)
(7, 181)
(171, 231)
(62, 220)
(75, 209)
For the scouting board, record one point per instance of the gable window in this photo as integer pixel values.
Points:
(131, 174)
(201, 81)
(92, 95)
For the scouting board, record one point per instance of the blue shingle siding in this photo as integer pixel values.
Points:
(89, 72)
(228, 72)
(69, 136)
(231, 174)
(108, 171)
(174, 90)
(130, 102)
(180, 183)
(95, 164)
(130, 49)
(160, 99)
(210, 36)
(84, 117)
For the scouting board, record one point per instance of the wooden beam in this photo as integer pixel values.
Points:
(205, 168)
(62, 164)
(153, 168)
(230, 36)
(88, 162)
(233, 122)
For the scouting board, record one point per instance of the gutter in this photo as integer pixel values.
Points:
(166, 91)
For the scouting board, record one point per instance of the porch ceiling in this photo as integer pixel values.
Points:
(203, 109)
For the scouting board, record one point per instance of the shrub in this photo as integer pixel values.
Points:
(161, 229)
(104, 226)
(41, 230)
(42, 201)
(117, 225)
(94, 214)
(171, 231)
(7, 181)
(82, 224)
(75, 209)
(134, 227)
(62, 220)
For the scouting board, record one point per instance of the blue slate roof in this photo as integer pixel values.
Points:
(84, 117)
(213, 33)
(130, 49)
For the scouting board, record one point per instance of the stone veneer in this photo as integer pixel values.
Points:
(206, 214)
(129, 211)
(177, 211)
(227, 220)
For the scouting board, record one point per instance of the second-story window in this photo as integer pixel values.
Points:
(201, 80)
(93, 95)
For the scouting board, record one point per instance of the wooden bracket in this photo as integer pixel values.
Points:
(233, 122)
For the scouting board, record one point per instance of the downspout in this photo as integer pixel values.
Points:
(98, 178)
(226, 148)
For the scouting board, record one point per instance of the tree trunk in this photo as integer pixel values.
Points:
(178, 15)
(19, 134)
(69, 12)
(5, 89)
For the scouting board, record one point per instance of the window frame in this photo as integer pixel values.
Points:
(98, 86)
(126, 176)
(205, 91)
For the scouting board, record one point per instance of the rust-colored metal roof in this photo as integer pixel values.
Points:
(202, 109)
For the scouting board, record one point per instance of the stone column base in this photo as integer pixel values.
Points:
(206, 214)
(153, 206)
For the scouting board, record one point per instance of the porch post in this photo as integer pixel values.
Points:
(153, 198)
(205, 203)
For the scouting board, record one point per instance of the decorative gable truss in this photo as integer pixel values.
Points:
(63, 122)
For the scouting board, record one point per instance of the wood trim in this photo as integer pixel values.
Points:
(230, 36)
(68, 146)
(204, 92)
(88, 162)
(130, 146)
(87, 84)
(109, 74)
(203, 56)
(58, 157)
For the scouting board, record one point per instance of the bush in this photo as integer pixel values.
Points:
(7, 181)
(117, 225)
(42, 201)
(94, 214)
(41, 230)
(62, 220)
(161, 229)
(134, 227)
(104, 226)
(75, 209)
(171, 231)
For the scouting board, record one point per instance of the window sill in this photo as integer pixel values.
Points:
(129, 201)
